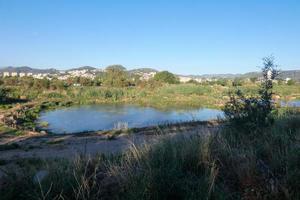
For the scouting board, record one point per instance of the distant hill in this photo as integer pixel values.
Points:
(82, 68)
(142, 70)
(293, 74)
(26, 69)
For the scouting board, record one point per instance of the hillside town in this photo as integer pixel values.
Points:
(143, 73)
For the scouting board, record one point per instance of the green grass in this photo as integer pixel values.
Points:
(164, 95)
(161, 96)
(55, 141)
(6, 131)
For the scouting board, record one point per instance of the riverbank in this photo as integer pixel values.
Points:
(42, 145)
(183, 163)
(161, 97)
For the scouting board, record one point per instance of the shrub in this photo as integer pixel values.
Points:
(253, 112)
(3, 94)
(166, 77)
(290, 82)
(115, 76)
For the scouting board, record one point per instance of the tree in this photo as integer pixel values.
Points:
(41, 83)
(115, 67)
(253, 79)
(253, 112)
(290, 82)
(237, 82)
(115, 76)
(3, 94)
(166, 77)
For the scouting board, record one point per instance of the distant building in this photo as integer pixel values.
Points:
(6, 74)
(184, 79)
(63, 77)
(14, 74)
(199, 80)
(40, 76)
(269, 74)
(145, 76)
(22, 74)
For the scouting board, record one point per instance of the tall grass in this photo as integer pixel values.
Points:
(226, 165)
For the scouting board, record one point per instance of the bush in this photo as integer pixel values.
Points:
(253, 112)
(115, 76)
(166, 77)
(3, 94)
(291, 82)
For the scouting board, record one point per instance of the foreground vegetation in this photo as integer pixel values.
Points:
(151, 93)
(116, 85)
(227, 165)
(254, 155)
(159, 95)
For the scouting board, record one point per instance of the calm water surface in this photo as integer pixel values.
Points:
(105, 117)
(295, 103)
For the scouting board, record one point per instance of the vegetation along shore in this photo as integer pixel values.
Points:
(253, 153)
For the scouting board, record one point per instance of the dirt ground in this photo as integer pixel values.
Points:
(35, 145)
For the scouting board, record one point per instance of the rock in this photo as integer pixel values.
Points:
(40, 176)
(43, 132)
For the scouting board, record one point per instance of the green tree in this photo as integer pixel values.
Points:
(3, 94)
(115, 76)
(290, 82)
(41, 83)
(253, 79)
(253, 112)
(115, 67)
(237, 82)
(166, 77)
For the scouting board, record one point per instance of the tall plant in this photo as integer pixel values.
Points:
(3, 94)
(254, 112)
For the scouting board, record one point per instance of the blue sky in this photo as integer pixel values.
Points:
(187, 37)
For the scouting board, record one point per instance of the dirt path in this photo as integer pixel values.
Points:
(68, 146)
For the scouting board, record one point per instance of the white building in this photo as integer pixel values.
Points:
(146, 76)
(6, 74)
(184, 79)
(14, 74)
(22, 74)
(40, 76)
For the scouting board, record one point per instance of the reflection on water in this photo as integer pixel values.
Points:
(105, 117)
(290, 103)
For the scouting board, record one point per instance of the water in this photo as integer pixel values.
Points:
(106, 117)
(295, 103)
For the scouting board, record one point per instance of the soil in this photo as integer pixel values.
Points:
(37, 145)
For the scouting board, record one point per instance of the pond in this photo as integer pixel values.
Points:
(105, 117)
(295, 103)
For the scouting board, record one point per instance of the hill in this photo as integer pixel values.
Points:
(293, 74)
(83, 68)
(142, 70)
(26, 69)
